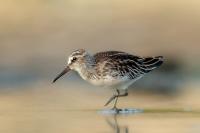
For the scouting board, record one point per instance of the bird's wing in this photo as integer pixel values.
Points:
(107, 54)
(127, 64)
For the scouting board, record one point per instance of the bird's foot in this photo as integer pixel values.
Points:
(117, 110)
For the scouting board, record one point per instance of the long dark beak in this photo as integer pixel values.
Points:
(66, 70)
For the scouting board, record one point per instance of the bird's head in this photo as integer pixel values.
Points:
(76, 60)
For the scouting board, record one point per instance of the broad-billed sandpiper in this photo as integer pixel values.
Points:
(113, 69)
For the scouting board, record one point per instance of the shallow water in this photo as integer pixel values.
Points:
(53, 109)
(89, 121)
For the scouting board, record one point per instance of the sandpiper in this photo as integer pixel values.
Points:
(113, 69)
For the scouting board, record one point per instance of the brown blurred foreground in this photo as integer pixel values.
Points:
(57, 108)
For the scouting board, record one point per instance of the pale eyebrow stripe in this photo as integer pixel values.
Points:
(76, 53)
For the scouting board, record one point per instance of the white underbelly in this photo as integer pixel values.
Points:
(103, 82)
(109, 81)
(121, 84)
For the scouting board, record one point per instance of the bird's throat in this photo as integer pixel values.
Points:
(87, 70)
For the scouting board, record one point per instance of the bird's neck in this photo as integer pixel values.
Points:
(90, 62)
(87, 71)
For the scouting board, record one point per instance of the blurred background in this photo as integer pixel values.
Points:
(36, 37)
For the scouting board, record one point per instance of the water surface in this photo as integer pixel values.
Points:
(53, 109)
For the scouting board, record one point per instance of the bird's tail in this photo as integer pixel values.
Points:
(150, 63)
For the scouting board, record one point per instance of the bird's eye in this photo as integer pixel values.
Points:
(74, 59)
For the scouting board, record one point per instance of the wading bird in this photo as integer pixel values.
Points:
(113, 69)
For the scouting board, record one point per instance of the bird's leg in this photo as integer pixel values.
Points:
(112, 98)
(116, 99)
(119, 95)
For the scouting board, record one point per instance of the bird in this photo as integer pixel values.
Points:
(113, 69)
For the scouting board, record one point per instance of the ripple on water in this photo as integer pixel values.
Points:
(120, 111)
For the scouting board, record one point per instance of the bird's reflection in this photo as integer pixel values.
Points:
(113, 123)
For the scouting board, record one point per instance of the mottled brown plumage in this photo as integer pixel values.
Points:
(125, 64)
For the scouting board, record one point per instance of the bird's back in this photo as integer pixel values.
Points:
(120, 64)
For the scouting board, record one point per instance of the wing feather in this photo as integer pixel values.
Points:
(126, 64)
